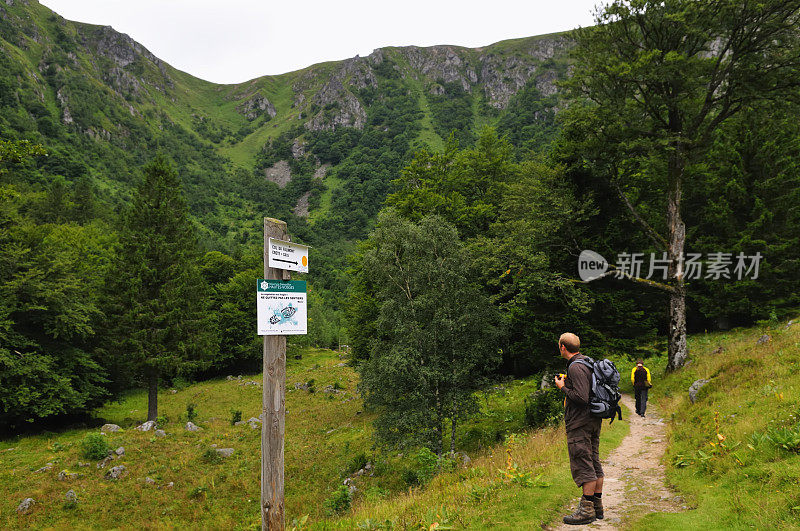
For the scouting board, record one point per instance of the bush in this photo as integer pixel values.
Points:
(211, 456)
(544, 408)
(95, 446)
(339, 501)
(358, 462)
(236, 416)
(428, 464)
(191, 412)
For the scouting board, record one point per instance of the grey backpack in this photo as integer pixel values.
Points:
(604, 396)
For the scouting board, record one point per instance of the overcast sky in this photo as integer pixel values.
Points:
(236, 40)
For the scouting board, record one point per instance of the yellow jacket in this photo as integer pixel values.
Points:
(634, 370)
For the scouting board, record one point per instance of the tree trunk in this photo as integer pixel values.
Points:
(152, 395)
(453, 434)
(677, 350)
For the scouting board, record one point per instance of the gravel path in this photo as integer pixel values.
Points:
(635, 483)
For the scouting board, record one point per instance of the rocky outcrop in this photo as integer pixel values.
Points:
(255, 106)
(442, 63)
(301, 208)
(279, 173)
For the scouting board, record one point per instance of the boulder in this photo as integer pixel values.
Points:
(45, 468)
(116, 472)
(160, 433)
(64, 475)
(26, 506)
(146, 426)
(225, 452)
(191, 426)
(763, 340)
(695, 388)
(110, 428)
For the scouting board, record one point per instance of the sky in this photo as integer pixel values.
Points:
(231, 41)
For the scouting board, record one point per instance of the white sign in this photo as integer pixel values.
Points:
(288, 255)
(281, 307)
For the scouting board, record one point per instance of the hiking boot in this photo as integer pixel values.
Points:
(598, 508)
(584, 514)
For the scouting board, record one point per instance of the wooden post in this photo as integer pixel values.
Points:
(273, 405)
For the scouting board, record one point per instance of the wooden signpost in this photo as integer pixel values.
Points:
(273, 398)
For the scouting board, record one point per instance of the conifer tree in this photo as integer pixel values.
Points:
(158, 294)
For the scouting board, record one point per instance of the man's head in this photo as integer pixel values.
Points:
(568, 345)
(640, 362)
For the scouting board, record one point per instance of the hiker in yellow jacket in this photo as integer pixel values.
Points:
(640, 378)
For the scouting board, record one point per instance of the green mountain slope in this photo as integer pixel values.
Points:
(102, 104)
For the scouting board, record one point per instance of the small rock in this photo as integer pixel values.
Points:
(225, 452)
(146, 426)
(254, 419)
(26, 506)
(191, 426)
(45, 468)
(169, 485)
(149, 480)
(104, 462)
(81, 463)
(301, 385)
(66, 474)
(240, 423)
(695, 388)
(173, 391)
(110, 428)
(546, 383)
(343, 364)
(766, 338)
(465, 460)
(70, 497)
(160, 433)
(719, 350)
(120, 451)
(229, 378)
(116, 472)
(789, 324)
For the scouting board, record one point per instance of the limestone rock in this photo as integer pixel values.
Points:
(279, 173)
(26, 506)
(45, 468)
(70, 497)
(120, 451)
(256, 105)
(160, 433)
(191, 426)
(146, 426)
(112, 428)
(763, 340)
(64, 475)
(225, 452)
(149, 480)
(116, 472)
(695, 388)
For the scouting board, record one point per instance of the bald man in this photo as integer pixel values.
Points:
(583, 432)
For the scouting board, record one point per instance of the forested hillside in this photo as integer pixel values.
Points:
(487, 145)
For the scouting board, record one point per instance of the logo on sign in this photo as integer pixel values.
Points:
(264, 285)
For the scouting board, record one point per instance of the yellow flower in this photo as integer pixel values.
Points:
(720, 437)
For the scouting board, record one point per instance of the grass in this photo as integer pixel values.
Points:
(328, 435)
(745, 480)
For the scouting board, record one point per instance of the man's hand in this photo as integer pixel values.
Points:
(559, 381)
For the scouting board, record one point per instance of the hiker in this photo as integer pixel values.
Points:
(583, 432)
(640, 378)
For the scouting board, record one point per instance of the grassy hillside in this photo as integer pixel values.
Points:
(735, 453)
(328, 438)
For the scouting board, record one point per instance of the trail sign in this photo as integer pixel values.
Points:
(288, 255)
(282, 307)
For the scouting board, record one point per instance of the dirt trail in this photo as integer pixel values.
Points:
(634, 483)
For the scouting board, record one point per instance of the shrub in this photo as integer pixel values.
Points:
(355, 464)
(339, 501)
(236, 416)
(191, 411)
(94, 446)
(211, 456)
(544, 408)
(162, 421)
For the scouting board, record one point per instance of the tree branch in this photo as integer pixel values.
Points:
(659, 240)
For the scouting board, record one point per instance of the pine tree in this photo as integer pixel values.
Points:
(157, 291)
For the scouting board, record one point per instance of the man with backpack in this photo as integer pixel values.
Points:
(583, 431)
(640, 378)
